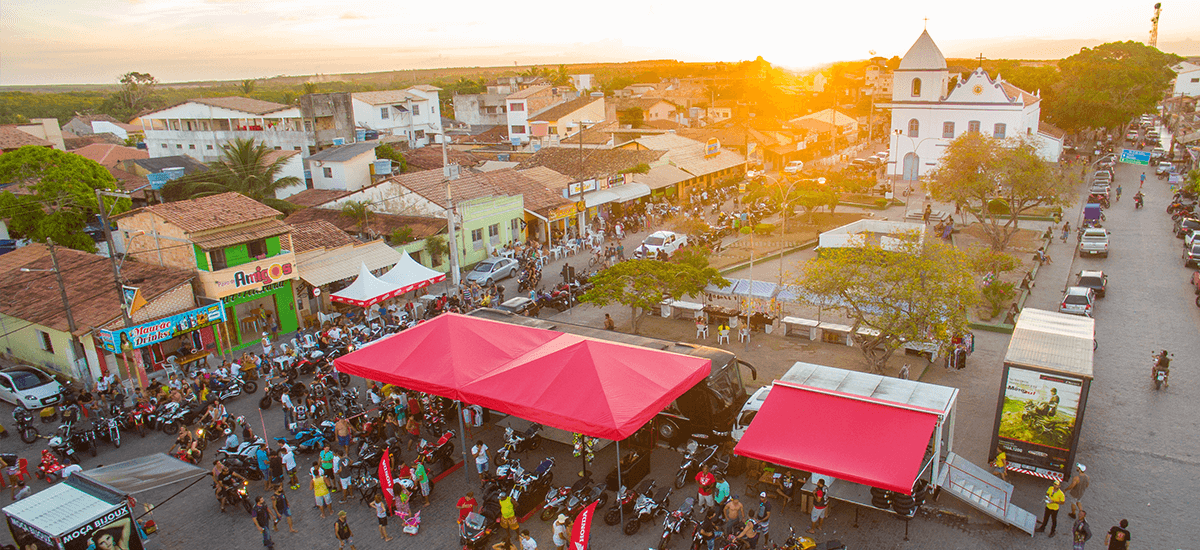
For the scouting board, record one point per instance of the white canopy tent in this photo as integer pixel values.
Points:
(410, 275)
(366, 290)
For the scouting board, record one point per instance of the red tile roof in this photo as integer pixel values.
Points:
(596, 162)
(34, 296)
(12, 137)
(316, 197)
(1014, 92)
(129, 182)
(109, 154)
(212, 212)
(498, 183)
(429, 158)
(244, 104)
(314, 234)
(378, 224)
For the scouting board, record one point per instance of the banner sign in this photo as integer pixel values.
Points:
(385, 479)
(581, 531)
(112, 530)
(1133, 156)
(712, 148)
(1039, 417)
(161, 330)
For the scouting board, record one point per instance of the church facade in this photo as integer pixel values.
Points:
(928, 113)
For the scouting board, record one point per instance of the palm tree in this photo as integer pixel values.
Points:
(244, 168)
(360, 212)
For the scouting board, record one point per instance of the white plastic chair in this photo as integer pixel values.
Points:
(701, 331)
(744, 334)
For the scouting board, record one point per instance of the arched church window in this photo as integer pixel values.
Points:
(914, 128)
(916, 87)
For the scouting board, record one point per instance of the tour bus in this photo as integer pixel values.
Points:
(707, 409)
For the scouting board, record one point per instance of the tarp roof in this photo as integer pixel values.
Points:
(325, 266)
(597, 388)
(410, 275)
(847, 437)
(145, 473)
(366, 290)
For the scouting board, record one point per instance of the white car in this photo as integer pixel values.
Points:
(666, 241)
(1078, 301)
(29, 388)
(793, 167)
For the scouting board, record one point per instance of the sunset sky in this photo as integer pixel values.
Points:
(94, 41)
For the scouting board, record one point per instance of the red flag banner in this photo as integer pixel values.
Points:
(583, 527)
(385, 479)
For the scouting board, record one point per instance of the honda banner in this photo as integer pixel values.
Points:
(385, 479)
(583, 527)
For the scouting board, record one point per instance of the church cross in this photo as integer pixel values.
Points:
(980, 60)
(926, 23)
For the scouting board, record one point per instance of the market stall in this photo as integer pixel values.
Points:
(93, 509)
(367, 290)
(878, 435)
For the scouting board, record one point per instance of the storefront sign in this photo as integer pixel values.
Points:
(582, 187)
(252, 294)
(712, 148)
(219, 284)
(161, 330)
(564, 211)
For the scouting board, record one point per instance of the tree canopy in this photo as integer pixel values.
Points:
(999, 180)
(913, 292)
(643, 284)
(1107, 86)
(244, 167)
(56, 195)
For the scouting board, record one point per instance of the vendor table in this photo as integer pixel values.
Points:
(835, 333)
(678, 307)
(806, 328)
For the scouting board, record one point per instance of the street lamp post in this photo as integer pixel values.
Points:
(785, 207)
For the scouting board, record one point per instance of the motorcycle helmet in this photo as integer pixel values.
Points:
(228, 431)
(56, 441)
(406, 483)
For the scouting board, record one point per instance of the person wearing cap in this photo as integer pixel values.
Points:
(1054, 499)
(820, 505)
(508, 516)
(1076, 487)
(341, 529)
(762, 516)
(562, 532)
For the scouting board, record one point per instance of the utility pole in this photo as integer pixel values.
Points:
(112, 252)
(450, 176)
(76, 346)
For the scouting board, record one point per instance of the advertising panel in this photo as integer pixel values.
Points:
(29, 537)
(247, 277)
(161, 330)
(1038, 418)
(113, 530)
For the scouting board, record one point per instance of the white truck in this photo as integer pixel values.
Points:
(666, 241)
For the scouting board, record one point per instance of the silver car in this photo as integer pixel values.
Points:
(1094, 241)
(1078, 300)
(492, 270)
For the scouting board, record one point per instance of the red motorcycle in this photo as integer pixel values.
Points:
(49, 468)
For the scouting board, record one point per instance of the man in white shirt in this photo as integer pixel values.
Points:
(288, 410)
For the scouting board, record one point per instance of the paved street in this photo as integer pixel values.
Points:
(1139, 444)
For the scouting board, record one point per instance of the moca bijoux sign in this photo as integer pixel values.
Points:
(250, 276)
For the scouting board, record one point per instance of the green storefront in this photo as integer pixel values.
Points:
(249, 313)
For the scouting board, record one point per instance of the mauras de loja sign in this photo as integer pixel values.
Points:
(247, 277)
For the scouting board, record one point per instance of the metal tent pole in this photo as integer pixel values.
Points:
(462, 435)
(620, 509)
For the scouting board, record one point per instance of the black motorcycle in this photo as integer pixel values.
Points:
(647, 508)
(109, 427)
(236, 496)
(529, 440)
(24, 426)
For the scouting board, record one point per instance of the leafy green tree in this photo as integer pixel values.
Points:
(998, 180)
(385, 151)
(436, 247)
(1106, 86)
(910, 292)
(247, 87)
(360, 212)
(244, 167)
(136, 89)
(643, 284)
(58, 195)
(402, 235)
(632, 117)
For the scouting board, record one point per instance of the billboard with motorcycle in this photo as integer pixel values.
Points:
(1043, 394)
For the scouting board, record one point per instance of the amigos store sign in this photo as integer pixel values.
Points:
(248, 277)
(161, 330)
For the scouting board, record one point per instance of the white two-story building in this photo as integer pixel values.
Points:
(199, 128)
(412, 113)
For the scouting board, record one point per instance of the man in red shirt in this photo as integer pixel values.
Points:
(466, 505)
(707, 483)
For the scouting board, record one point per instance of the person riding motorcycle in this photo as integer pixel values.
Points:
(224, 482)
(1162, 362)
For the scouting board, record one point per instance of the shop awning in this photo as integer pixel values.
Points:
(324, 266)
(858, 439)
(366, 290)
(593, 199)
(410, 275)
(145, 473)
(594, 387)
(630, 191)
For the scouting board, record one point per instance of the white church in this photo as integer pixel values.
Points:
(927, 114)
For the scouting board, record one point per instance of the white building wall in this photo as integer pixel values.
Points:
(1187, 83)
(518, 118)
(350, 175)
(929, 143)
(294, 166)
(199, 131)
(106, 127)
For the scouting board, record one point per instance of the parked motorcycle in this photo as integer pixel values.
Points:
(310, 439)
(24, 426)
(441, 452)
(676, 523)
(647, 508)
(109, 428)
(626, 498)
(233, 386)
(529, 440)
(694, 458)
(557, 500)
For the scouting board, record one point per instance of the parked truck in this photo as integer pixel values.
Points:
(1043, 392)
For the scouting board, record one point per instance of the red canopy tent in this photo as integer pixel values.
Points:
(593, 387)
(858, 439)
